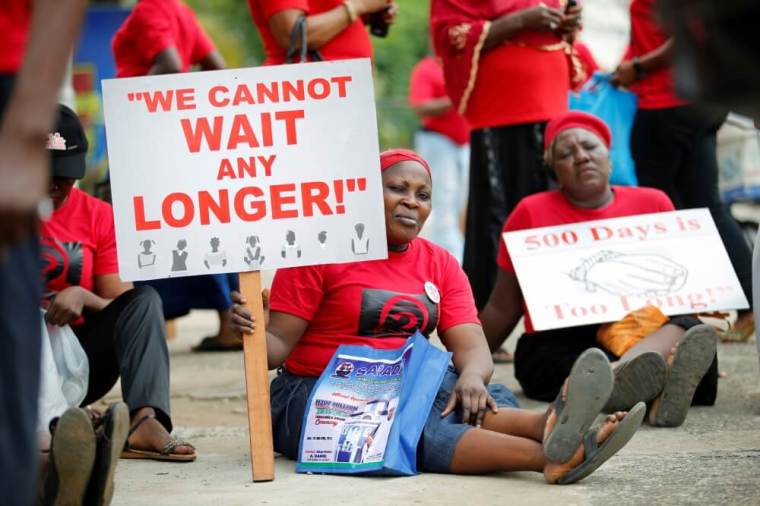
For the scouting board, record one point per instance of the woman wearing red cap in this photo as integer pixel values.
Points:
(670, 362)
(473, 427)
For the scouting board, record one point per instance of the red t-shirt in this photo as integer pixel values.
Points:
(153, 26)
(655, 91)
(353, 42)
(426, 83)
(547, 209)
(14, 27)
(377, 303)
(78, 243)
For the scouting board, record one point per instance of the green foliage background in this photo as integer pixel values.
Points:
(230, 25)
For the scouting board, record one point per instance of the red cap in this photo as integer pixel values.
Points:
(391, 157)
(576, 119)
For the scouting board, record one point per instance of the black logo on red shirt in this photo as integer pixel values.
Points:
(62, 263)
(390, 314)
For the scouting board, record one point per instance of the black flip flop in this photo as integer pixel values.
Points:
(589, 386)
(596, 454)
(211, 343)
(692, 359)
(640, 379)
(111, 437)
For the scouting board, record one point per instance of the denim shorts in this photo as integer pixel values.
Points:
(290, 395)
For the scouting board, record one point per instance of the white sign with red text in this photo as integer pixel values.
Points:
(244, 169)
(599, 271)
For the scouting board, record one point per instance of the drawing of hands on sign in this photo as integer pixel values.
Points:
(630, 274)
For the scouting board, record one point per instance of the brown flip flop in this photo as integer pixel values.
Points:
(165, 454)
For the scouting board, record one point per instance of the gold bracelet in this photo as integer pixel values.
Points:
(351, 10)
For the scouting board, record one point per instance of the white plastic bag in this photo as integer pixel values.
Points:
(65, 372)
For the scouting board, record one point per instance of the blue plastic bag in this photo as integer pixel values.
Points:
(617, 108)
(366, 412)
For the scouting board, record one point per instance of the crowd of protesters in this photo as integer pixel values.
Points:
(502, 155)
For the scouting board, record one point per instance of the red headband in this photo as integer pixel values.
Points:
(576, 119)
(391, 157)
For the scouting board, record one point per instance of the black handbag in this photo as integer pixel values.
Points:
(299, 31)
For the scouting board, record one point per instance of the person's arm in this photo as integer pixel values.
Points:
(212, 61)
(503, 309)
(69, 303)
(474, 365)
(55, 24)
(323, 27)
(283, 330)
(167, 61)
(433, 107)
(630, 71)
(537, 18)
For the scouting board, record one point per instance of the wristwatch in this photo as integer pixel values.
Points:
(637, 68)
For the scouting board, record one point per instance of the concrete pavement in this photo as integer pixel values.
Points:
(714, 458)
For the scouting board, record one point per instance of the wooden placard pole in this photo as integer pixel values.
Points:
(257, 382)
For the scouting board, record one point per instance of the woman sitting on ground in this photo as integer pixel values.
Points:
(421, 286)
(665, 365)
(121, 328)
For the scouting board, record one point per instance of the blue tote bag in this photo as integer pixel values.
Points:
(617, 108)
(366, 413)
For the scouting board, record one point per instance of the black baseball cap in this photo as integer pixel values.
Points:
(67, 145)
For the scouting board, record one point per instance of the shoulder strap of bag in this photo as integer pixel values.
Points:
(299, 31)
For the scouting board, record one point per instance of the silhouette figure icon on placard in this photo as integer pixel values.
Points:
(179, 256)
(253, 254)
(291, 248)
(322, 238)
(360, 242)
(215, 258)
(146, 258)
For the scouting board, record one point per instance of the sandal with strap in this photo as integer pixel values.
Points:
(589, 386)
(165, 454)
(111, 433)
(596, 454)
(212, 343)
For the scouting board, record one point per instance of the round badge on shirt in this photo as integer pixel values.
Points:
(432, 292)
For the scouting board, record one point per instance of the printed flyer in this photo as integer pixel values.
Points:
(352, 411)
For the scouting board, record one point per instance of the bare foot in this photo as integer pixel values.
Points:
(151, 435)
(553, 472)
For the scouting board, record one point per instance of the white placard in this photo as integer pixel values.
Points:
(598, 271)
(244, 169)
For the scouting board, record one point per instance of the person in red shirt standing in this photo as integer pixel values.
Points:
(506, 69)
(443, 141)
(673, 143)
(577, 149)
(334, 28)
(162, 37)
(121, 328)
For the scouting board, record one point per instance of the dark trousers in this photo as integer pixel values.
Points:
(127, 339)
(20, 339)
(506, 164)
(675, 151)
(543, 361)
